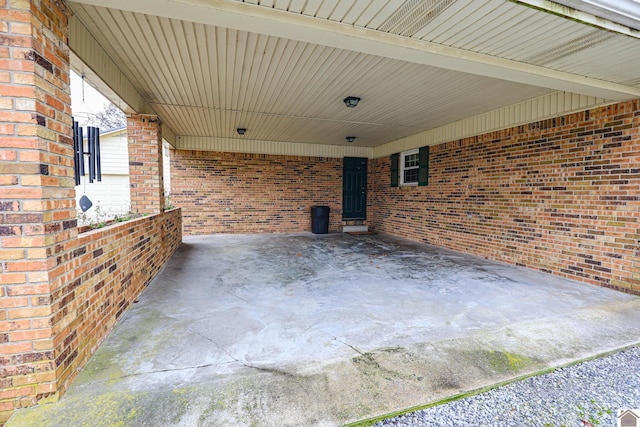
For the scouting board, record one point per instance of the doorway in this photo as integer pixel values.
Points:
(354, 188)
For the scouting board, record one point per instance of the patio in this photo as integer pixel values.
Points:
(303, 329)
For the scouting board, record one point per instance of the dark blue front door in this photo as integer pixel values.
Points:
(354, 188)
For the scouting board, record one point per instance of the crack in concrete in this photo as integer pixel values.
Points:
(137, 374)
(367, 357)
(243, 363)
(234, 295)
(350, 346)
(168, 370)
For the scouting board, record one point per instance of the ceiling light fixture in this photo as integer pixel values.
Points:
(351, 138)
(241, 131)
(351, 101)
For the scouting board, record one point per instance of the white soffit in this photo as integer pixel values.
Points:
(206, 81)
(423, 50)
(281, 68)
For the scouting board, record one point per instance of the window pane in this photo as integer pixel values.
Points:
(411, 160)
(411, 175)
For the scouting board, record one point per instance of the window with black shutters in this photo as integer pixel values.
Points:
(410, 167)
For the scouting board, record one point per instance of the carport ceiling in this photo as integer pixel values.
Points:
(281, 68)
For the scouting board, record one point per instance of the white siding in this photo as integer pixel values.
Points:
(237, 145)
(113, 194)
(110, 197)
(114, 154)
(166, 168)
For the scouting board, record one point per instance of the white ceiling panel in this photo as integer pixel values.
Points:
(206, 80)
(496, 28)
(214, 80)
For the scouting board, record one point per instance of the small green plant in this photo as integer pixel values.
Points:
(593, 415)
(167, 202)
(99, 219)
(125, 216)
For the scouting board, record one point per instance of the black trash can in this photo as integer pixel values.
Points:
(320, 219)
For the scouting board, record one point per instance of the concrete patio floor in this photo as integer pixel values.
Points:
(303, 329)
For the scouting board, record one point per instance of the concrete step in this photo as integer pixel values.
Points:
(355, 228)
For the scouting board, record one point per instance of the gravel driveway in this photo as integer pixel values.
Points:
(585, 394)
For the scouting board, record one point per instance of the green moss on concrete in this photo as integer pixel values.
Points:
(366, 359)
(113, 409)
(119, 408)
(370, 421)
(505, 362)
(495, 361)
(97, 366)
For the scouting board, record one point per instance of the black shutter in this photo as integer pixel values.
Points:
(395, 160)
(423, 171)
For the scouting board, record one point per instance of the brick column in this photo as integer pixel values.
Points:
(145, 164)
(37, 197)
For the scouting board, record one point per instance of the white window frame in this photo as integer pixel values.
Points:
(403, 155)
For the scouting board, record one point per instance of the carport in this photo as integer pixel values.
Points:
(506, 130)
(301, 329)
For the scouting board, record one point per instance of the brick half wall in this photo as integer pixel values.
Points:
(253, 193)
(111, 267)
(560, 196)
(105, 271)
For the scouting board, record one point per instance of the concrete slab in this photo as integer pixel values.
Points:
(304, 329)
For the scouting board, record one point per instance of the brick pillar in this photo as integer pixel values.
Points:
(37, 196)
(145, 164)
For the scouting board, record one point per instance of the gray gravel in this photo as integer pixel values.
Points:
(591, 391)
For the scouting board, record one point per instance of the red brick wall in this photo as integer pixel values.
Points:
(37, 196)
(560, 195)
(144, 135)
(59, 293)
(108, 270)
(253, 193)
(104, 272)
